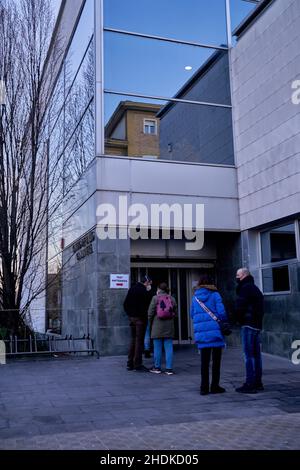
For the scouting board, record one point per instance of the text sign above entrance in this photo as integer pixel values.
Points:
(119, 281)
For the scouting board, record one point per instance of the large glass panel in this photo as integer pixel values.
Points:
(190, 20)
(55, 187)
(55, 105)
(163, 69)
(240, 9)
(81, 39)
(80, 149)
(175, 294)
(185, 132)
(81, 93)
(278, 244)
(183, 305)
(276, 279)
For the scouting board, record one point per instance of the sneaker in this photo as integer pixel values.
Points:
(217, 389)
(141, 369)
(246, 389)
(155, 370)
(147, 354)
(169, 372)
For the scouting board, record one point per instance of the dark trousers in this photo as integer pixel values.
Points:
(138, 328)
(216, 366)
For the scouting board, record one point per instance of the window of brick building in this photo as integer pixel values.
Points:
(150, 126)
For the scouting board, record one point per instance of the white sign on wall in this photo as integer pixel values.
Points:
(119, 281)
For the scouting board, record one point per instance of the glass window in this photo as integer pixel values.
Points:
(276, 279)
(81, 39)
(278, 244)
(239, 10)
(189, 20)
(80, 149)
(150, 126)
(163, 69)
(185, 132)
(56, 104)
(81, 93)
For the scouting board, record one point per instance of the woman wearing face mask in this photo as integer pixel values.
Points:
(206, 304)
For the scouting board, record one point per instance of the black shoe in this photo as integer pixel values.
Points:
(217, 389)
(147, 354)
(246, 389)
(129, 368)
(259, 387)
(141, 369)
(204, 391)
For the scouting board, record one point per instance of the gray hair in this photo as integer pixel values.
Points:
(245, 271)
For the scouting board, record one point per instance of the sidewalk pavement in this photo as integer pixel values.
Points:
(85, 403)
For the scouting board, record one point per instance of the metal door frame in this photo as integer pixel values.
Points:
(177, 265)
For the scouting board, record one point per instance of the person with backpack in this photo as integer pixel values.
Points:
(136, 306)
(161, 314)
(207, 311)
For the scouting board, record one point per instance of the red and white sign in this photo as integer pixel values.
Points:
(119, 281)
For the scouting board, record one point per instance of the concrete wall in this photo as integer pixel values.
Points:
(154, 181)
(265, 62)
(89, 306)
(201, 133)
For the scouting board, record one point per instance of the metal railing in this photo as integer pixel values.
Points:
(49, 344)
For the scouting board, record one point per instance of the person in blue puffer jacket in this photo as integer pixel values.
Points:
(207, 333)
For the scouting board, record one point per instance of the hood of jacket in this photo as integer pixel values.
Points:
(204, 292)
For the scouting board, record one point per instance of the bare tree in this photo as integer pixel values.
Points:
(29, 182)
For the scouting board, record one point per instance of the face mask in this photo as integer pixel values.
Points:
(148, 288)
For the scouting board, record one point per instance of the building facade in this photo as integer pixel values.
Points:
(133, 130)
(225, 134)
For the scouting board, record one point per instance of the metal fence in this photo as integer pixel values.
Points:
(50, 344)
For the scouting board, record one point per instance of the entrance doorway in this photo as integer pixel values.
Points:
(181, 279)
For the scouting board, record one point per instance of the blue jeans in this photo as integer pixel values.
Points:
(147, 340)
(252, 353)
(168, 345)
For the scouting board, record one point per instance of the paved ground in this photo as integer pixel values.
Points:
(85, 403)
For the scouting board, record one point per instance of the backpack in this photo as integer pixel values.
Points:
(164, 307)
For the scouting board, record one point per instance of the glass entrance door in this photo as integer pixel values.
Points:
(181, 281)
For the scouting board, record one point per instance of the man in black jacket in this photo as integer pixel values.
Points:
(136, 306)
(250, 311)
